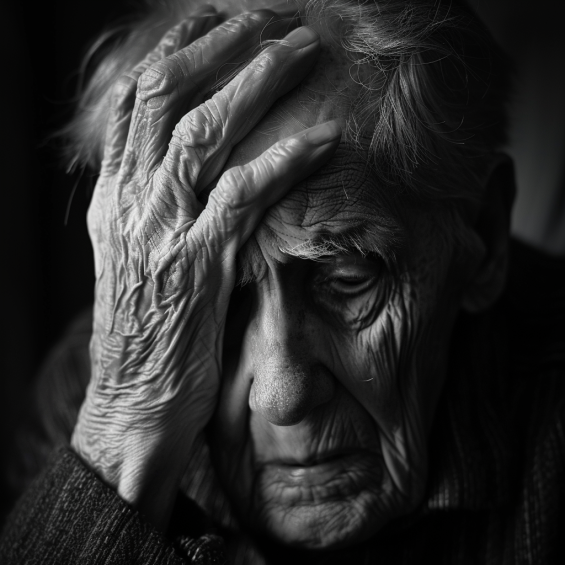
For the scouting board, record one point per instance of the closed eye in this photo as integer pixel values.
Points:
(350, 276)
(350, 285)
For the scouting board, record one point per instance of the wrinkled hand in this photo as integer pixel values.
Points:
(165, 263)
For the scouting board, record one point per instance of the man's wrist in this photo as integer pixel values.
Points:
(144, 470)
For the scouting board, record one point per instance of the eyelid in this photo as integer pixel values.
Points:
(364, 275)
(349, 275)
(354, 272)
(348, 263)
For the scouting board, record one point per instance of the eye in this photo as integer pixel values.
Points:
(349, 276)
(352, 289)
(350, 284)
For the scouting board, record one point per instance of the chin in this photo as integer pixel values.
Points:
(326, 483)
(328, 504)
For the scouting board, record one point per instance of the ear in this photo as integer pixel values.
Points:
(492, 226)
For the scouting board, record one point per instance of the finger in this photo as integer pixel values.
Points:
(181, 35)
(204, 138)
(243, 194)
(123, 93)
(171, 87)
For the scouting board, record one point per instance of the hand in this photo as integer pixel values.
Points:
(165, 263)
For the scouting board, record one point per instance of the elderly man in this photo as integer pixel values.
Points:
(294, 323)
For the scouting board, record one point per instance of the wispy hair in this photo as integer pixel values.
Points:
(432, 96)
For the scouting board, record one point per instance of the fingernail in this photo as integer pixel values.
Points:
(323, 133)
(302, 37)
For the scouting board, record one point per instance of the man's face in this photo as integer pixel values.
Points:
(335, 350)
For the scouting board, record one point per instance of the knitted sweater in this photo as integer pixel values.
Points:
(68, 515)
(496, 490)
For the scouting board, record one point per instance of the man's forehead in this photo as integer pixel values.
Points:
(342, 194)
(339, 210)
(342, 203)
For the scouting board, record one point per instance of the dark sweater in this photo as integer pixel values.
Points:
(496, 491)
(68, 515)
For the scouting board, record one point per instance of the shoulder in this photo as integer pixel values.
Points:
(533, 307)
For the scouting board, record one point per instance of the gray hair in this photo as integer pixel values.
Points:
(432, 97)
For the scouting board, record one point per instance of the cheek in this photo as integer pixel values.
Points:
(371, 364)
(387, 353)
(353, 316)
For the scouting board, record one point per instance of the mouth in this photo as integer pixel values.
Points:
(345, 472)
(315, 460)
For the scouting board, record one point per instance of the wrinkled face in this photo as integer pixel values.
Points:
(335, 351)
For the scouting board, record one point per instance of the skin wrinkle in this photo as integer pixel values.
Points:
(315, 206)
(371, 384)
(316, 373)
(322, 212)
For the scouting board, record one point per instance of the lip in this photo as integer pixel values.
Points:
(315, 460)
(342, 471)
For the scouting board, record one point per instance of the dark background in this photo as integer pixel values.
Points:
(46, 266)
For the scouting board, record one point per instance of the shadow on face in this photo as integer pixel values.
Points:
(335, 351)
(337, 337)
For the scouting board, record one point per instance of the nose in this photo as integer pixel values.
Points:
(289, 380)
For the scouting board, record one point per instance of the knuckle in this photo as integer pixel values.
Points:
(172, 68)
(268, 61)
(248, 22)
(189, 129)
(280, 159)
(225, 204)
(158, 80)
(236, 187)
(150, 81)
(213, 112)
(202, 126)
(288, 148)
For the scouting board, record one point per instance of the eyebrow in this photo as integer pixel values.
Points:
(387, 243)
(385, 238)
(373, 232)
